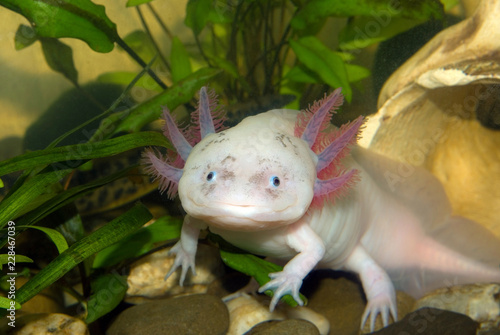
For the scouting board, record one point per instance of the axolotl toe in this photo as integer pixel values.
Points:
(287, 184)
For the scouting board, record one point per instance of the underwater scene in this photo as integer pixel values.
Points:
(250, 167)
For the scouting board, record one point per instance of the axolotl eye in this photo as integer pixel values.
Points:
(274, 181)
(211, 176)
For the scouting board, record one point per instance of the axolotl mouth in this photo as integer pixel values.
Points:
(240, 217)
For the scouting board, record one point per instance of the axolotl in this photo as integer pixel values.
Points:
(288, 185)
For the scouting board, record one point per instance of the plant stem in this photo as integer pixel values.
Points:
(198, 44)
(139, 60)
(160, 22)
(231, 50)
(155, 45)
(268, 42)
(280, 45)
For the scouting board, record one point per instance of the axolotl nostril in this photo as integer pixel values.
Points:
(287, 184)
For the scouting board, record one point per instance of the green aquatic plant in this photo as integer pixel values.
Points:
(246, 49)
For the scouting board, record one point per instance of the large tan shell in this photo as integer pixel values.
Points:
(427, 114)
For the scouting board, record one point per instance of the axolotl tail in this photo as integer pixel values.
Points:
(422, 245)
(459, 252)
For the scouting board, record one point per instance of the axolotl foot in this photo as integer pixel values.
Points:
(283, 283)
(377, 285)
(183, 259)
(185, 249)
(382, 301)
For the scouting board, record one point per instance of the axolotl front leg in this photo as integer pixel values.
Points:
(185, 249)
(377, 285)
(301, 238)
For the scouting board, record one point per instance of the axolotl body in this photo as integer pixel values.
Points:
(288, 185)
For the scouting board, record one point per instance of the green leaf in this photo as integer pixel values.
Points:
(54, 235)
(36, 191)
(150, 110)
(380, 12)
(59, 57)
(140, 242)
(109, 234)
(4, 259)
(346, 56)
(32, 193)
(124, 78)
(108, 292)
(295, 89)
(201, 12)
(25, 36)
(81, 19)
(231, 69)
(325, 63)
(449, 4)
(67, 197)
(226, 65)
(179, 60)
(5, 303)
(74, 155)
(196, 14)
(301, 74)
(72, 228)
(363, 31)
(356, 73)
(141, 43)
(131, 3)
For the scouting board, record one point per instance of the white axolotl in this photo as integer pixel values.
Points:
(288, 185)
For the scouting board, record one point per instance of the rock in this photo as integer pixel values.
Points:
(307, 314)
(46, 324)
(227, 284)
(481, 302)
(147, 276)
(431, 321)
(49, 300)
(193, 314)
(285, 327)
(246, 311)
(488, 331)
(339, 297)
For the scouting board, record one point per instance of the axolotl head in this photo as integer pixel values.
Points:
(263, 173)
(256, 175)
